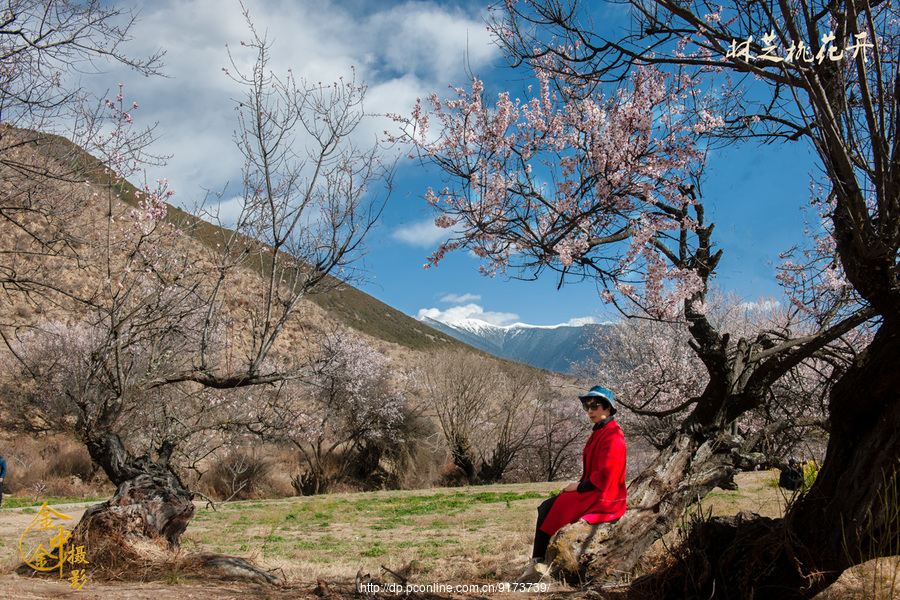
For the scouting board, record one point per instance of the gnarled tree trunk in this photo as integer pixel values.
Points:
(149, 503)
(686, 470)
(850, 514)
(150, 509)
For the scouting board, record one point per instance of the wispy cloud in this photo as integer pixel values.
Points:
(457, 299)
(402, 50)
(425, 38)
(423, 234)
(472, 311)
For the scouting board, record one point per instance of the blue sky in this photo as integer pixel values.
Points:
(406, 50)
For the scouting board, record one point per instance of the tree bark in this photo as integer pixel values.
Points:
(143, 507)
(849, 516)
(850, 513)
(149, 503)
(698, 459)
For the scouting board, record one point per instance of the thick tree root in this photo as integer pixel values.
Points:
(135, 535)
(571, 551)
(149, 564)
(724, 557)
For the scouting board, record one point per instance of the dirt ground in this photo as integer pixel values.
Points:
(15, 587)
(755, 494)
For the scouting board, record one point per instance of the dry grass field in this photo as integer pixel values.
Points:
(477, 537)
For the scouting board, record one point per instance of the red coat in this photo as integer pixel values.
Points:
(604, 466)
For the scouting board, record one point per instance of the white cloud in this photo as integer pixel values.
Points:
(424, 39)
(457, 299)
(423, 234)
(224, 213)
(579, 321)
(402, 51)
(467, 312)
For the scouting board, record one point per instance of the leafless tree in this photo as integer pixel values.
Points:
(45, 47)
(43, 43)
(487, 411)
(511, 421)
(558, 437)
(172, 308)
(458, 387)
(309, 199)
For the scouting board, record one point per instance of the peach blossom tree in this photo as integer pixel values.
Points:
(604, 186)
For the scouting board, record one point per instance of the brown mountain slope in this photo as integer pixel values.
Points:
(46, 173)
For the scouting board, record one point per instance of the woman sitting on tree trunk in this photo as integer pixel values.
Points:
(600, 494)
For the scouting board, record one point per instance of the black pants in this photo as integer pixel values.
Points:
(541, 539)
(1, 493)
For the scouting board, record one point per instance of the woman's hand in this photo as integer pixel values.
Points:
(572, 487)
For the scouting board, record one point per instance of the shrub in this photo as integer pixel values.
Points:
(240, 475)
(71, 462)
(50, 465)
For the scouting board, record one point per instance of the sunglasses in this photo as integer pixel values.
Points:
(592, 406)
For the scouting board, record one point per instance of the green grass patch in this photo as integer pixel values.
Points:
(376, 550)
(456, 532)
(439, 503)
(17, 502)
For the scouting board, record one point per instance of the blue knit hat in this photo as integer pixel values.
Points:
(598, 391)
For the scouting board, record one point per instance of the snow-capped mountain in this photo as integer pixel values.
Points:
(554, 348)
